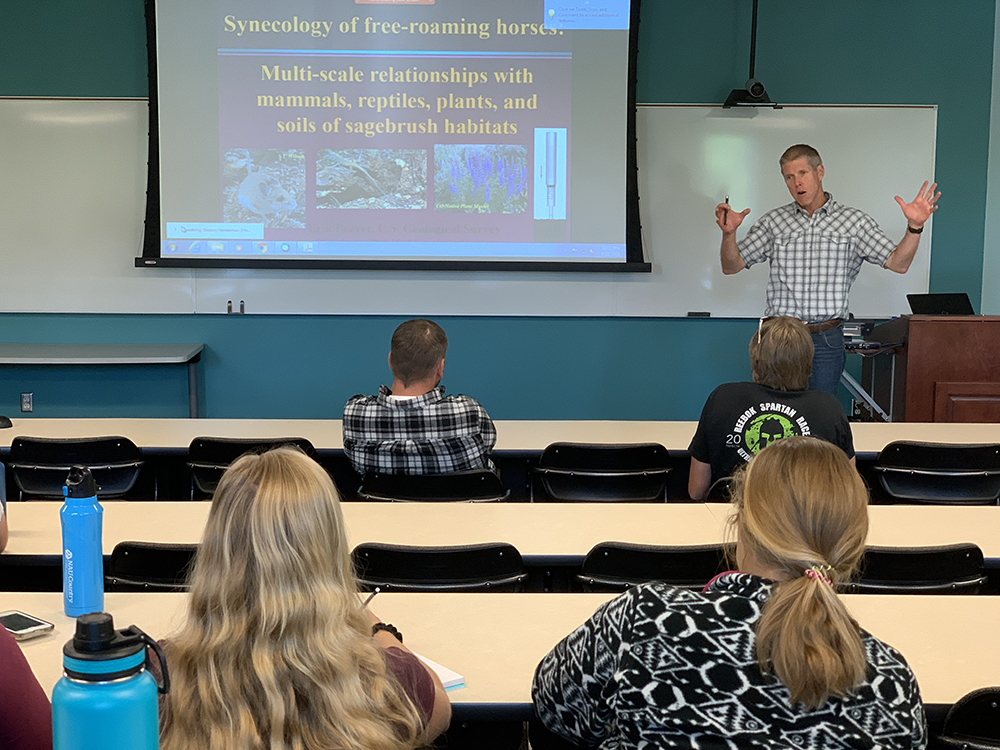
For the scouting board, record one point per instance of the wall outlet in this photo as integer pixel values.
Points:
(27, 400)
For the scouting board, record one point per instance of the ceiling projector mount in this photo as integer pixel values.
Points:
(753, 94)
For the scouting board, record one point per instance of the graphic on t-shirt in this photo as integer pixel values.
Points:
(761, 425)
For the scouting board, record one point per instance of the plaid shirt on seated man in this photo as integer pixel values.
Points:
(428, 434)
(412, 427)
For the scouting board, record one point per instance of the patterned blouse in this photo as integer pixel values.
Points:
(664, 667)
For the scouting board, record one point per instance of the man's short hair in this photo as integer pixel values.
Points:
(781, 354)
(797, 152)
(417, 347)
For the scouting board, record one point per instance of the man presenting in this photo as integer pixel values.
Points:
(815, 247)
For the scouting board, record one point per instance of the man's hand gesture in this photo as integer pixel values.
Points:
(728, 219)
(919, 211)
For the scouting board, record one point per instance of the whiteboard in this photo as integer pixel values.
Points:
(72, 199)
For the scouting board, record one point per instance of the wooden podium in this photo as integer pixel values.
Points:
(946, 370)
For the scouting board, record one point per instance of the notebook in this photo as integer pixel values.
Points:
(450, 679)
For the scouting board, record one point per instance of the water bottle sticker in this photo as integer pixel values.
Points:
(68, 593)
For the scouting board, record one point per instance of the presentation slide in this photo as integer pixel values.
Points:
(387, 130)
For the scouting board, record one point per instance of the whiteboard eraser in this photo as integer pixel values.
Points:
(699, 315)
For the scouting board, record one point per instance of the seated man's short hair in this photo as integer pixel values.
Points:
(417, 347)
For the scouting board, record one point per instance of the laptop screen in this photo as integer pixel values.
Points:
(940, 304)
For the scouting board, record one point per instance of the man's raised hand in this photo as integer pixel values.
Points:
(920, 210)
(728, 219)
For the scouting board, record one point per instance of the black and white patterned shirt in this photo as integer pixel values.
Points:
(815, 259)
(661, 667)
(428, 434)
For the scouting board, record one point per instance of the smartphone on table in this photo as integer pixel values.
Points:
(23, 626)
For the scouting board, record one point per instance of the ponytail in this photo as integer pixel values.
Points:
(802, 511)
(806, 637)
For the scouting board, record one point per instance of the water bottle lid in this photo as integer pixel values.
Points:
(99, 652)
(80, 483)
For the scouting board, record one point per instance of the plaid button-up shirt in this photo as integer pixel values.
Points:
(815, 259)
(428, 434)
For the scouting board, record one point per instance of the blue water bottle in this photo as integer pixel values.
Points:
(106, 698)
(83, 551)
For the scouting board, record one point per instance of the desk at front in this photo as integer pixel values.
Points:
(496, 640)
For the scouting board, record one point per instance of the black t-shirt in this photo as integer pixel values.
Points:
(740, 419)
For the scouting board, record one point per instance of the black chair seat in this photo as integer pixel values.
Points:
(583, 472)
(478, 486)
(617, 566)
(473, 567)
(973, 723)
(145, 566)
(40, 466)
(940, 473)
(209, 457)
(948, 569)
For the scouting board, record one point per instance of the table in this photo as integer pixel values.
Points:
(110, 354)
(174, 435)
(948, 641)
(544, 533)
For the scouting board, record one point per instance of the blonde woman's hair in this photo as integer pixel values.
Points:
(276, 652)
(802, 507)
(781, 354)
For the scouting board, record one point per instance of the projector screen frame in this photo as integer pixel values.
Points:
(151, 241)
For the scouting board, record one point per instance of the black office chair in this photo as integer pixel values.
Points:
(719, 491)
(939, 473)
(146, 566)
(474, 567)
(478, 486)
(583, 473)
(973, 723)
(617, 566)
(949, 569)
(40, 466)
(209, 457)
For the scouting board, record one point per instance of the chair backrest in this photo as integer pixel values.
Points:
(39, 466)
(473, 567)
(973, 723)
(940, 473)
(583, 472)
(209, 457)
(949, 569)
(615, 566)
(145, 566)
(479, 486)
(719, 491)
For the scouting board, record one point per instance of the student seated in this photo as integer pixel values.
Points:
(413, 428)
(764, 657)
(25, 711)
(277, 650)
(740, 419)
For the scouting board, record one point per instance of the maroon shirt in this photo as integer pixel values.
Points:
(412, 676)
(25, 711)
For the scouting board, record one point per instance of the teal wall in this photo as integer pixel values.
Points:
(851, 52)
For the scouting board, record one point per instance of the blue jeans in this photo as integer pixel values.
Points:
(828, 360)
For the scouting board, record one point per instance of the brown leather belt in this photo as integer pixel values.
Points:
(825, 325)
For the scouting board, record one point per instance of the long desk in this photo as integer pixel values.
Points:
(174, 435)
(948, 641)
(544, 533)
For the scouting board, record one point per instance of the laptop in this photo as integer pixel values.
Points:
(940, 304)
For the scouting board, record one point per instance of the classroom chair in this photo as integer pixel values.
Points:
(617, 566)
(147, 566)
(584, 472)
(478, 486)
(948, 569)
(40, 466)
(940, 473)
(719, 491)
(209, 457)
(973, 723)
(491, 567)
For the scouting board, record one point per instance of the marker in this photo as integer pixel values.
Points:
(725, 213)
(377, 589)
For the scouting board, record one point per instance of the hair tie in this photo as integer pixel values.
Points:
(818, 572)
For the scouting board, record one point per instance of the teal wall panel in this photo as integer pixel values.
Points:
(852, 52)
